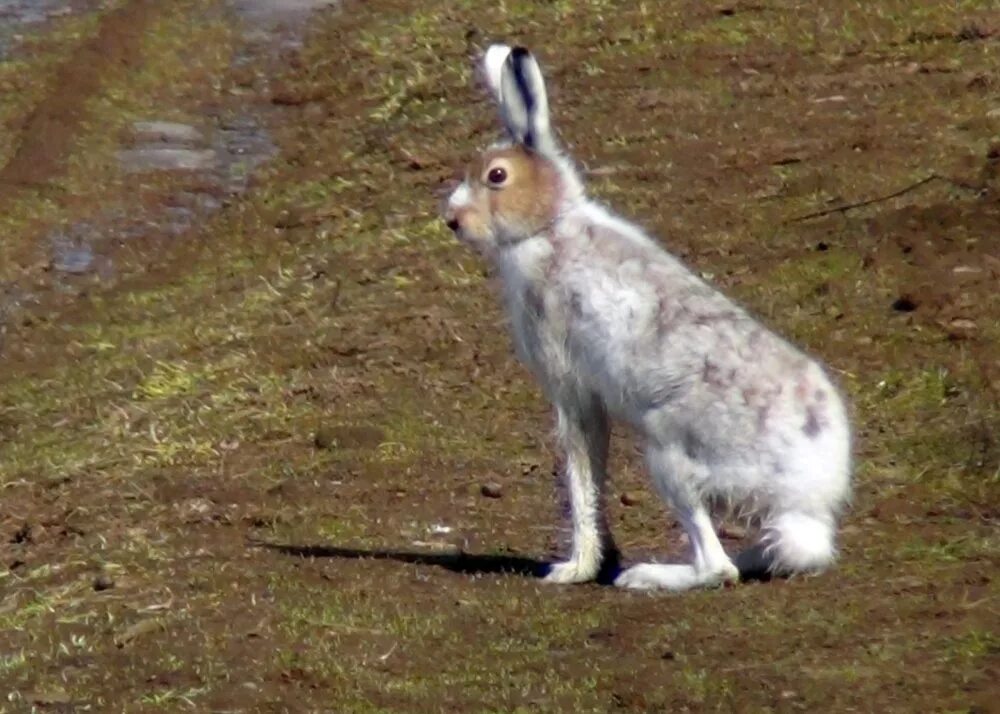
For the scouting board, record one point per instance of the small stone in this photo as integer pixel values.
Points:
(630, 498)
(103, 582)
(491, 490)
(904, 303)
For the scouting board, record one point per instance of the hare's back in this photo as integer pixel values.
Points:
(642, 325)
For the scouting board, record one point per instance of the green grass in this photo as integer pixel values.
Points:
(159, 424)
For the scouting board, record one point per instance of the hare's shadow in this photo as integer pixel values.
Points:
(458, 562)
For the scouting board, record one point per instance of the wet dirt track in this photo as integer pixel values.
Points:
(263, 446)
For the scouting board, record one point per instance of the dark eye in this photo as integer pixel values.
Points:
(497, 176)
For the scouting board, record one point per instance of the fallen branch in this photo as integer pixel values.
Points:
(861, 204)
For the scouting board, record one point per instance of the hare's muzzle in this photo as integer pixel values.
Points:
(451, 218)
(457, 202)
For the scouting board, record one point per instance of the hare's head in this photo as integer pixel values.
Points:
(516, 189)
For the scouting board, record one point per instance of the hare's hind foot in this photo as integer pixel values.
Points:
(675, 578)
(673, 470)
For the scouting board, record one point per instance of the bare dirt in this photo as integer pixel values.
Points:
(277, 456)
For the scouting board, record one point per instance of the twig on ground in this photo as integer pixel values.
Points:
(861, 204)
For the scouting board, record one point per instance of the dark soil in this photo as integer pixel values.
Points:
(284, 460)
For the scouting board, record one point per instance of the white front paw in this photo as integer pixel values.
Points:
(572, 571)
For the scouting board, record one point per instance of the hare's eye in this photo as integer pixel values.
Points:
(497, 176)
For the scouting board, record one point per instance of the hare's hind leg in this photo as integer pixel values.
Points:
(583, 434)
(675, 475)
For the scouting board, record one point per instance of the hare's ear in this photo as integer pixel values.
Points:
(493, 62)
(524, 104)
(519, 88)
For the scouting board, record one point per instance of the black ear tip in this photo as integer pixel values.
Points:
(519, 53)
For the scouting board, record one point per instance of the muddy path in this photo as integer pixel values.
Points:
(49, 130)
(263, 444)
(156, 177)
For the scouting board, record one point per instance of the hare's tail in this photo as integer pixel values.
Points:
(790, 543)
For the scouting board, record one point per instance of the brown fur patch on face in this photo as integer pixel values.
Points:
(527, 200)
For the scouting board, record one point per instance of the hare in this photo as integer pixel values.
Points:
(613, 326)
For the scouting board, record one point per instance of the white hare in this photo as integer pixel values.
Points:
(731, 415)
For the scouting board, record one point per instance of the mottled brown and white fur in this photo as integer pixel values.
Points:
(614, 326)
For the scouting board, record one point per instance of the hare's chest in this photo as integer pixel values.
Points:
(537, 328)
(526, 311)
(534, 308)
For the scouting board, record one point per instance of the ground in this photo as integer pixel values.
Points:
(283, 459)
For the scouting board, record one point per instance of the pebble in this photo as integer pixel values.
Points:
(904, 303)
(491, 490)
(630, 498)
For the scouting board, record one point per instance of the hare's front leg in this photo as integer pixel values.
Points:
(583, 435)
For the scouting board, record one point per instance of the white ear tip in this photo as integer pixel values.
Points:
(493, 61)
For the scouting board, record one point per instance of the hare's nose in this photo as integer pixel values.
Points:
(451, 216)
(457, 203)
